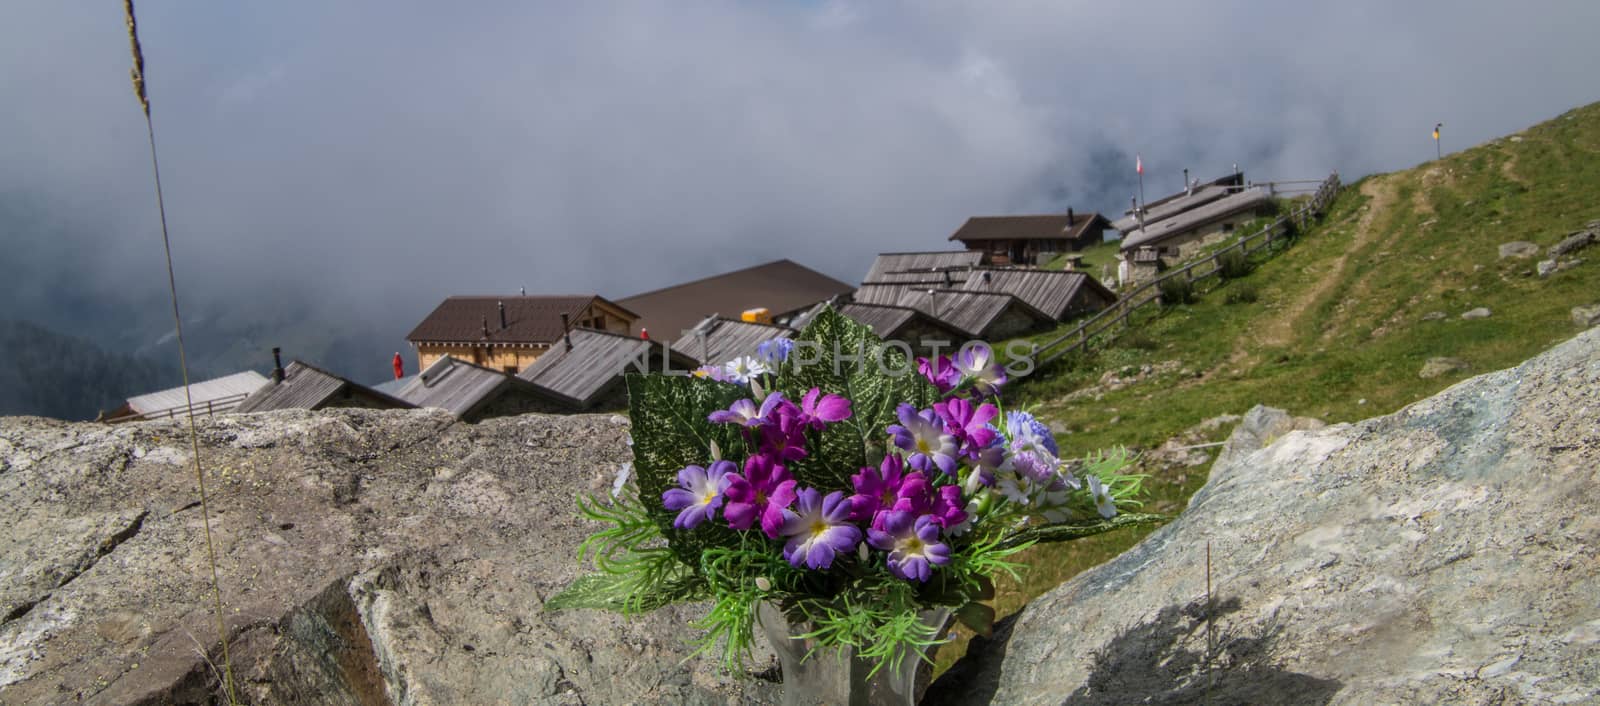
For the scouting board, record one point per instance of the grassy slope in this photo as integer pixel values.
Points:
(1337, 331)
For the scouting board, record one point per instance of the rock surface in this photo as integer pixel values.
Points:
(1481, 312)
(365, 557)
(1447, 553)
(1435, 367)
(1586, 316)
(1518, 249)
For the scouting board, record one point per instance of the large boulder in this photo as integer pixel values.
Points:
(1446, 553)
(364, 557)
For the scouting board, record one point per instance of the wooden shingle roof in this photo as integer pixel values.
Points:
(719, 340)
(1050, 291)
(459, 387)
(529, 319)
(305, 386)
(901, 266)
(1052, 226)
(1154, 233)
(1176, 203)
(595, 365)
(783, 287)
(970, 313)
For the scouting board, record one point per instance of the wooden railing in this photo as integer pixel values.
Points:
(207, 408)
(1081, 337)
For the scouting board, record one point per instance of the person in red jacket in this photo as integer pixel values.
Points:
(399, 366)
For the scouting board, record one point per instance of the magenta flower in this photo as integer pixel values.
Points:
(968, 424)
(700, 495)
(876, 488)
(919, 497)
(763, 491)
(913, 545)
(819, 528)
(922, 436)
(940, 372)
(745, 414)
(828, 409)
(784, 437)
(977, 363)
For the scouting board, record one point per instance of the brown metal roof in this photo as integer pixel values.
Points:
(783, 287)
(595, 365)
(1050, 291)
(900, 266)
(529, 319)
(306, 386)
(1052, 226)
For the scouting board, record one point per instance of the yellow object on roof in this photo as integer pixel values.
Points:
(758, 315)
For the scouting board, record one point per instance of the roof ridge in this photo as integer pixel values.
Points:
(719, 275)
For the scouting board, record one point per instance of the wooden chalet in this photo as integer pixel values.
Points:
(206, 397)
(901, 323)
(719, 339)
(973, 314)
(586, 372)
(1168, 237)
(1030, 240)
(921, 266)
(783, 288)
(305, 386)
(1193, 196)
(510, 333)
(472, 392)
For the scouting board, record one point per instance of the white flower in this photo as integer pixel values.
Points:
(763, 583)
(742, 369)
(1102, 498)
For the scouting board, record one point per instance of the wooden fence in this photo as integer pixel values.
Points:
(1081, 337)
(207, 408)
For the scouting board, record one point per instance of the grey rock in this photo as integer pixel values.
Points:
(1261, 426)
(1435, 316)
(1442, 366)
(1481, 312)
(1518, 249)
(365, 557)
(1586, 316)
(1575, 242)
(1545, 268)
(1446, 553)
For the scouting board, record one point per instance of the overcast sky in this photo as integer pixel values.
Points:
(375, 157)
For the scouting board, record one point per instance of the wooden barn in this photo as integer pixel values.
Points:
(1174, 238)
(586, 372)
(719, 339)
(205, 398)
(1030, 240)
(472, 392)
(305, 386)
(510, 333)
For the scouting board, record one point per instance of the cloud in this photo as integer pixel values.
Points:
(371, 159)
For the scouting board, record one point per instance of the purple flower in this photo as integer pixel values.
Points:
(922, 435)
(876, 488)
(977, 363)
(940, 372)
(714, 372)
(745, 414)
(774, 351)
(828, 409)
(984, 466)
(763, 491)
(784, 438)
(919, 497)
(1033, 448)
(913, 545)
(1020, 425)
(819, 528)
(701, 494)
(968, 424)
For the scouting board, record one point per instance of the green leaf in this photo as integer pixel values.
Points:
(670, 432)
(621, 593)
(1065, 531)
(854, 363)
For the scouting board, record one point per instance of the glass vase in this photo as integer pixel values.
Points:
(835, 675)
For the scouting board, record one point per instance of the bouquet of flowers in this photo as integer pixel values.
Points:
(832, 478)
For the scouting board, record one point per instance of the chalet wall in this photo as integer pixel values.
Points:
(495, 357)
(1014, 322)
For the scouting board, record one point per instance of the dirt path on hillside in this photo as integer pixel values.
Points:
(1278, 330)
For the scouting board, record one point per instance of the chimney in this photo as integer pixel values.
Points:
(524, 291)
(502, 306)
(486, 327)
(1188, 188)
(1070, 218)
(566, 330)
(277, 365)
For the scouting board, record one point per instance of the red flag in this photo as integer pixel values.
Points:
(399, 367)
(1138, 164)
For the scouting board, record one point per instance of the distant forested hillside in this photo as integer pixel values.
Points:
(55, 375)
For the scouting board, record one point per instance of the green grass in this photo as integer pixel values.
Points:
(1094, 258)
(1340, 339)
